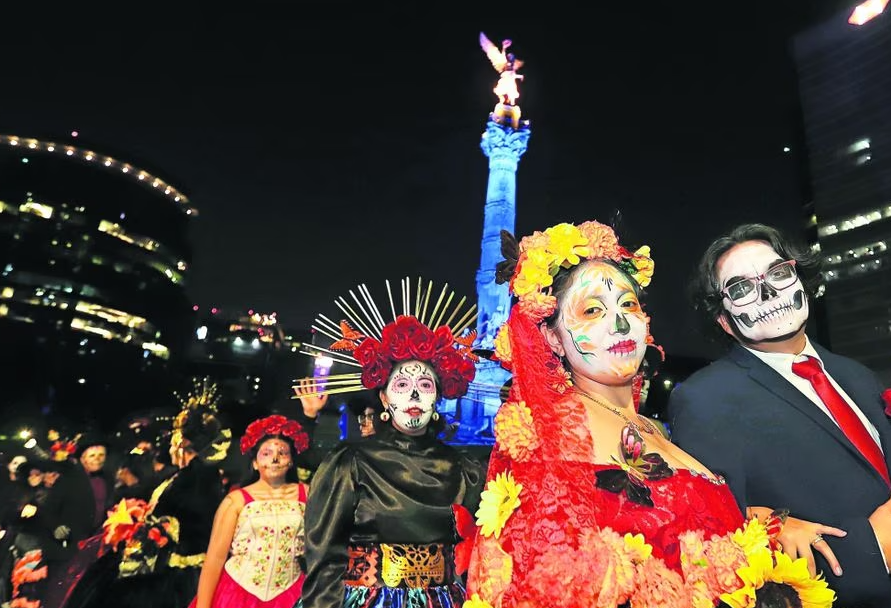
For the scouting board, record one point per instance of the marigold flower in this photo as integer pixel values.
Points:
(515, 430)
(534, 273)
(645, 266)
(502, 344)
(567, 244)
(537, 305)
(602, 241)
(659, 587)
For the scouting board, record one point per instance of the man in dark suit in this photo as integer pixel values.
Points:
(789, 424)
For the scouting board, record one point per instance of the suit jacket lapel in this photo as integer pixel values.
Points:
(764, 375)
(859, 390)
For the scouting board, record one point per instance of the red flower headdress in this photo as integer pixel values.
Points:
(272, 426)
(424, 332)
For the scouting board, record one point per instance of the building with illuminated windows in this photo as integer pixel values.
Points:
(845, 91)
(252, 358)
(94, 253)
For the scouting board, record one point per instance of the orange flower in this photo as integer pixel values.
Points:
(502, 346)
(658, 586)
(538, 305)
(602, 241)
(515, 430)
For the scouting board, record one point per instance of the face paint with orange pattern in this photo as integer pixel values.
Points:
(603, 328)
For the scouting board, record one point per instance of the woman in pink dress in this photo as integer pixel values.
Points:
(256, 547)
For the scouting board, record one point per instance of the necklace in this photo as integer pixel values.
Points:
(641, 424)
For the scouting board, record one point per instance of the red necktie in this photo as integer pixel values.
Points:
(844, 415)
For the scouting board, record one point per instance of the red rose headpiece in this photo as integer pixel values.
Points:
(275, 426)
(424, 332)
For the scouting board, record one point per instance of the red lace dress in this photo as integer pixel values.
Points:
(555, 533)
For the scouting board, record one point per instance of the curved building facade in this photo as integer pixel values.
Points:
(94, 254)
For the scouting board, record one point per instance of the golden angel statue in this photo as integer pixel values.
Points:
(506, 65)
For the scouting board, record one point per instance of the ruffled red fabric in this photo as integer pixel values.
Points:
(560, 501)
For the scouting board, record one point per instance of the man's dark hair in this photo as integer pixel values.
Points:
(705, 289)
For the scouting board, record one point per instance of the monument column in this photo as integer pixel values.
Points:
(504, 141)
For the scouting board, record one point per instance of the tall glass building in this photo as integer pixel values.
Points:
(845, 89)
(94, 254)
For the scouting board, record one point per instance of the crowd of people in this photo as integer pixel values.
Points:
(771, 491)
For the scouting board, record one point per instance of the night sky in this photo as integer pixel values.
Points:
(323, 153)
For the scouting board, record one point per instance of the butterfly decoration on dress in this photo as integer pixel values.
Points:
(636, 468)
(350, 339)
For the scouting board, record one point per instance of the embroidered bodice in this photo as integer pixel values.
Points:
(267, 544)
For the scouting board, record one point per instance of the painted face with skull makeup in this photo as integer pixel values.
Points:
(602, 329)
(763, 295)
(410, 396)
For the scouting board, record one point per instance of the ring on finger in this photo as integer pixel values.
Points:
(817, 539)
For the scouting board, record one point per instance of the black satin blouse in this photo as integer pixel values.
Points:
(389, 488)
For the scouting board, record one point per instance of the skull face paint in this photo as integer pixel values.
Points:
(777, 308)
(273, 459)
(602, 327)
(410, 396)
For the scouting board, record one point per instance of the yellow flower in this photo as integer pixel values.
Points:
(752, 538)
(502, 344)
(645, 266)
(534, 272)
(567, 243)
(497, 502)
(638, 547)
(777, 567)
(476, 602)
(515, 430)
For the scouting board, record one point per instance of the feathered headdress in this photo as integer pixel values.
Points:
(198, 424)
(422, 332)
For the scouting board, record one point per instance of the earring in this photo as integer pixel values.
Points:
(435, 416)
(385, 416)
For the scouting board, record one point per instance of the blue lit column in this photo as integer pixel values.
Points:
(504, 146)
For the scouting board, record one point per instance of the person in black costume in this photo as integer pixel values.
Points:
(158, 566)
(381, 513)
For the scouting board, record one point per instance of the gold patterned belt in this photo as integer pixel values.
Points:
(399, 565)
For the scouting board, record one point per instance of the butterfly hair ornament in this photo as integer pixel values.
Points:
(424, 327)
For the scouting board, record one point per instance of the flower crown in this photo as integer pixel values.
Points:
(272, 426)
(407, 338)
(531, 265)
(423, 332)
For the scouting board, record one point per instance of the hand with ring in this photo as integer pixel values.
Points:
(800, 538)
